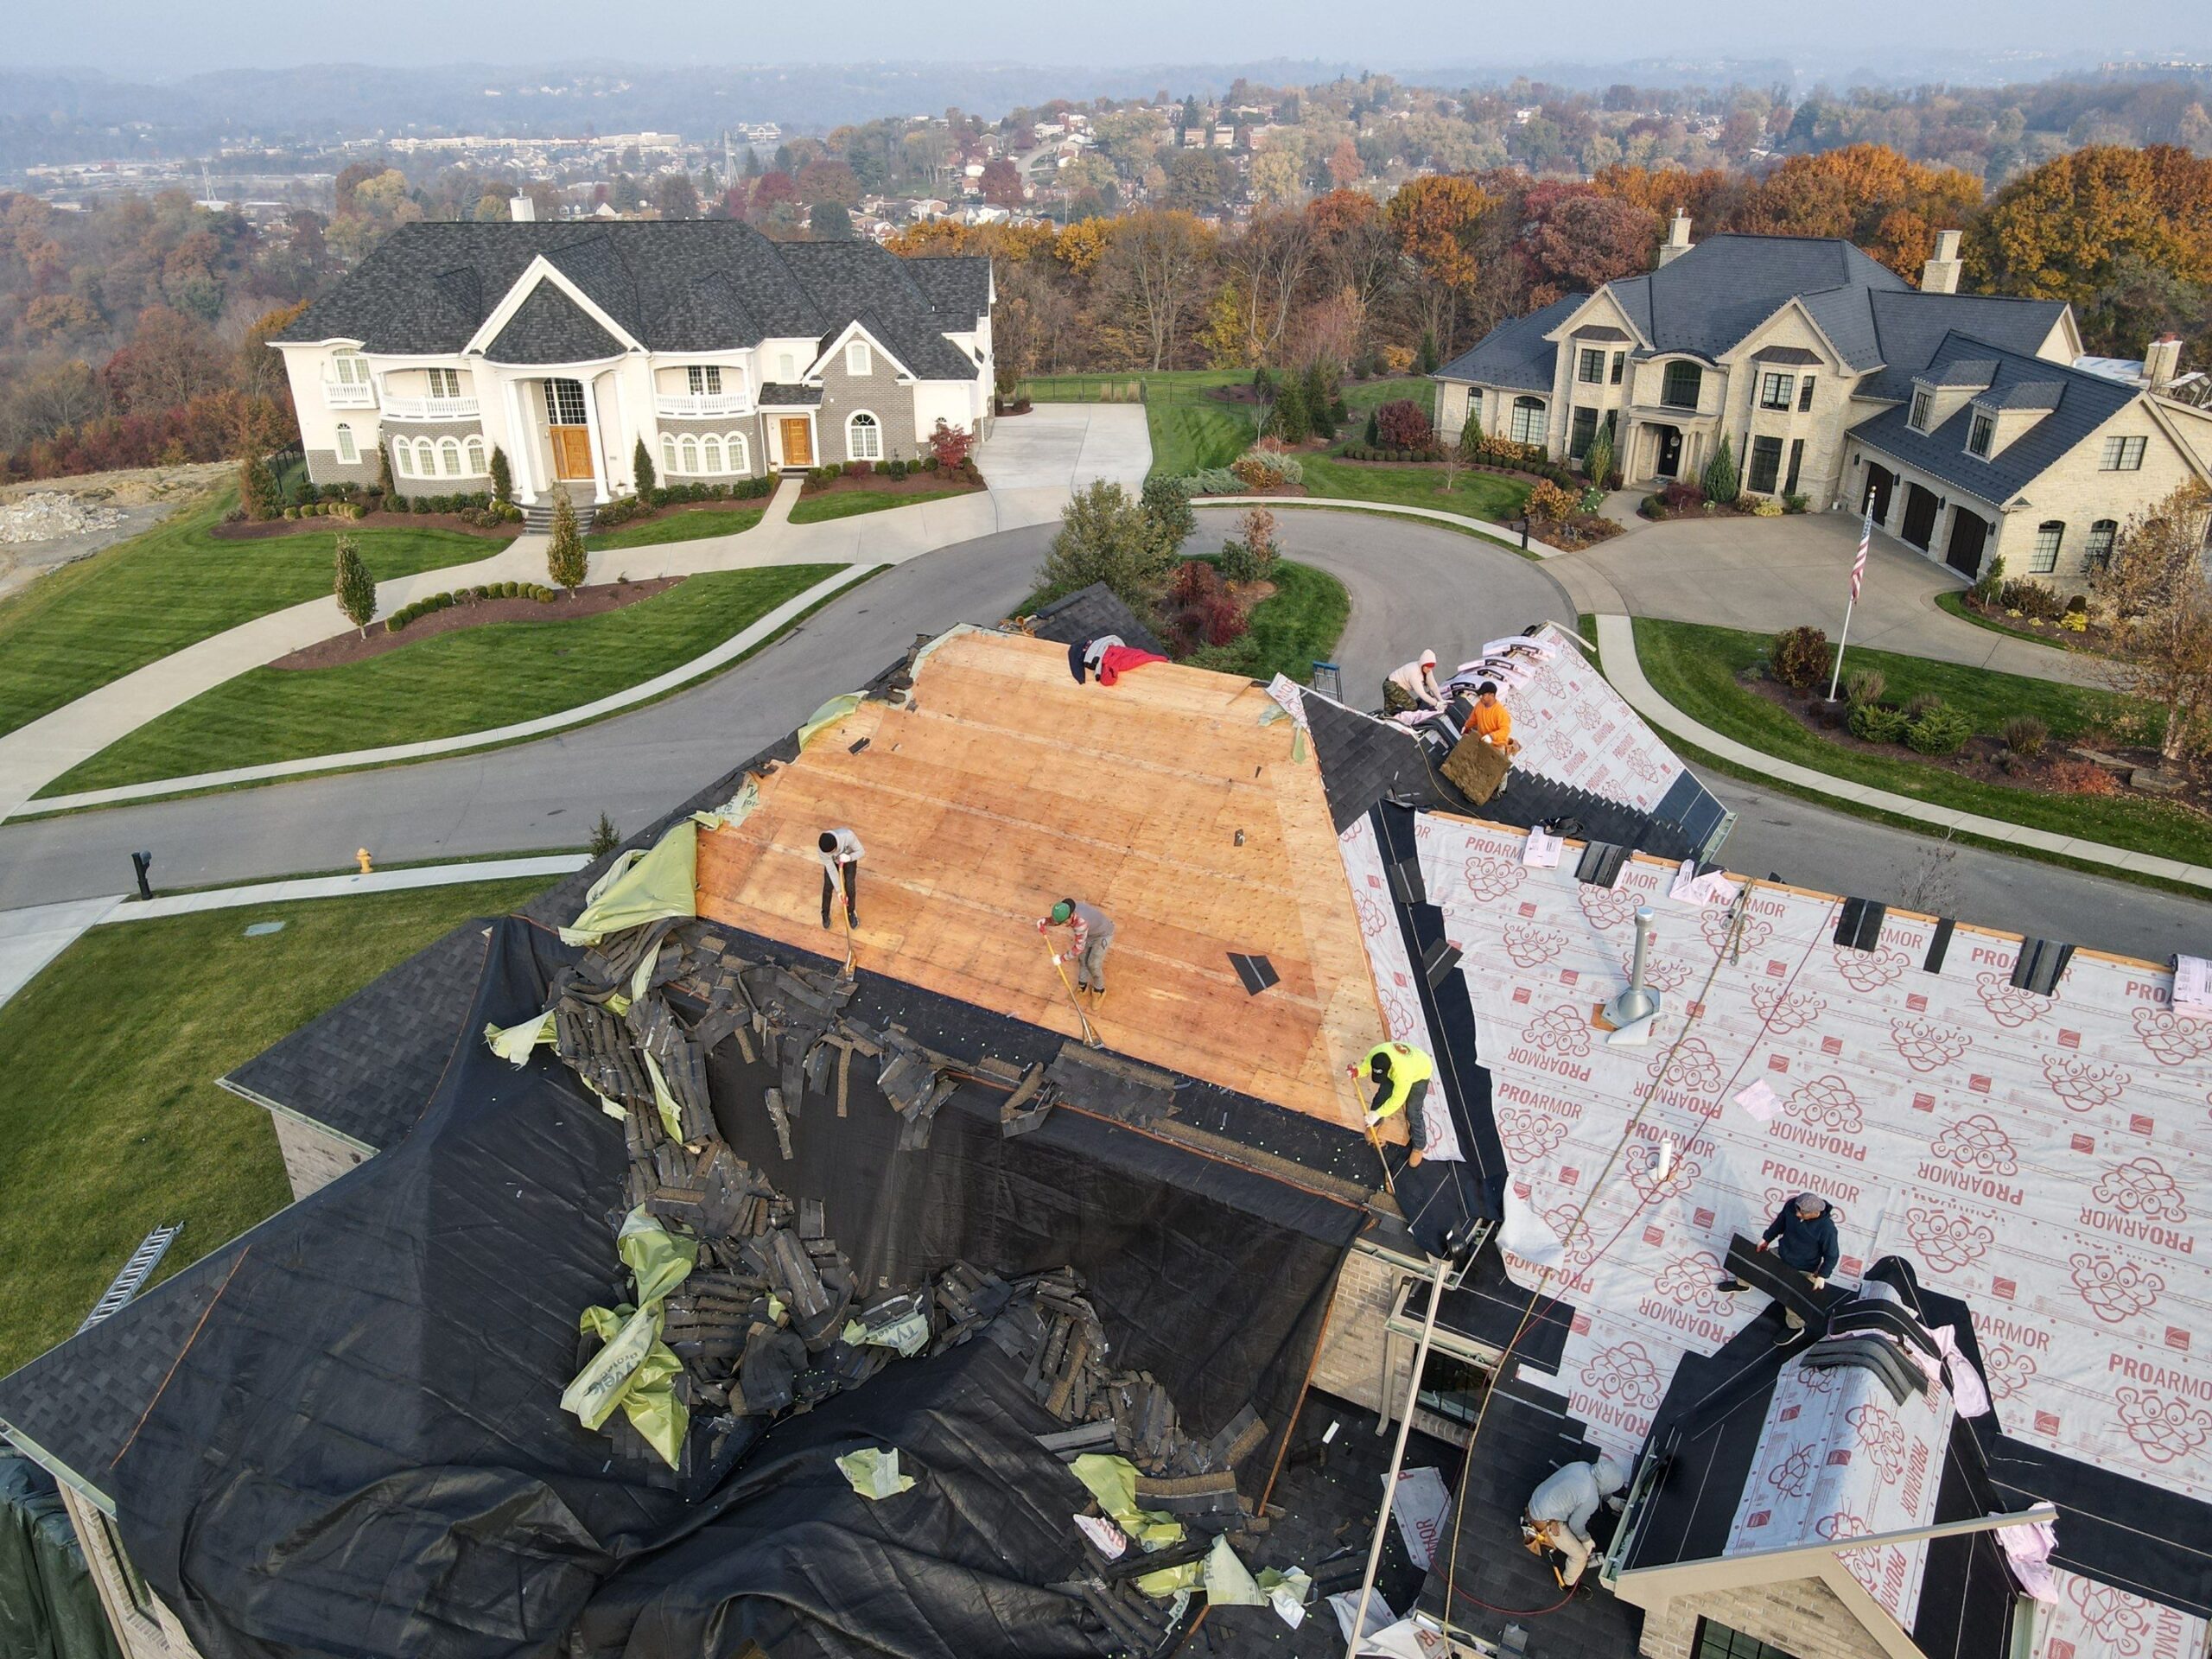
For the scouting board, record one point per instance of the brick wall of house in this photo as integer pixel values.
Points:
(313, 1157)
(2076, 492)
(143, 1629)
(1802, 1616)
(877, 391)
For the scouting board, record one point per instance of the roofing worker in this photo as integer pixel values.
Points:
(1559, 1510)
(1802, 1235)
(1492, 721)
(1400, 1073)
(1413, 686)
(1090, 931)
(841, 852)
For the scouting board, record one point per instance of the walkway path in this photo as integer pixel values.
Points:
(1034, 460)
(31, 938)
(1617, 645)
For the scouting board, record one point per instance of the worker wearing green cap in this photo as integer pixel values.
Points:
(1092, 931)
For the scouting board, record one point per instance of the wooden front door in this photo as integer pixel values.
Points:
(1919, 516)
(571, 452)
(799, 441)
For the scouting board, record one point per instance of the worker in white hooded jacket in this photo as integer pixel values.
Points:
(1559, 1510)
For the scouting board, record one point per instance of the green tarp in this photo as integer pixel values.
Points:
(635, 1369)
(49, 1608)
(640, 887)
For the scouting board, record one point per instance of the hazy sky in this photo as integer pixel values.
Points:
(162, 38)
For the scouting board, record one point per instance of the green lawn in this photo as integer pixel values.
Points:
(1292, 629)
(686, 526)
(446, 685)
(1363, 395)
(85, 624)
(844, 504)
(1489, 496)
(114, 1124)
(1695, 668)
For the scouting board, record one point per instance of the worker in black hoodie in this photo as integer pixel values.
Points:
(1802, 1234)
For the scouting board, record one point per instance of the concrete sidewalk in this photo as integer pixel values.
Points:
(1033, 462)
(1616, 645)
(30, 940)
(1461, 521)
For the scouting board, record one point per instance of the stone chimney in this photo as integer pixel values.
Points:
(1678, 238)
(2161, 361)
(1940, 274)
(521, 209)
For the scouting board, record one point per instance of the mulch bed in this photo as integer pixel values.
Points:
(269, 529)
(2091, 641)
(1985, 759)
(594, 600)
(884, 483)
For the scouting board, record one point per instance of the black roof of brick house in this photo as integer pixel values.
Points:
(1706, 301)
(672, 286)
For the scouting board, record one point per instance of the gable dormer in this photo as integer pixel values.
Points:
(1941, 392)
(1999, 419)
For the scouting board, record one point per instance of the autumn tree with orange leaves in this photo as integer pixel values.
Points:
(1438, 220)
(1868, 194)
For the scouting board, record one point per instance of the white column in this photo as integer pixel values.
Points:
(598, 447)
(522, 449)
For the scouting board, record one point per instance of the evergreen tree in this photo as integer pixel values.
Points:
(1373, 435)
(257, 489)
(1427, 360)
(1318, 393)
(1720, 481)
(385, 486)
(1292, 422)
(566, 561)
(1166, 502)
(503, 477)
(356, 589)
(1470, 436)
(641, 465)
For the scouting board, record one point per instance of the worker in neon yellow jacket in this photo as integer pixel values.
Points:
(1400, 1073)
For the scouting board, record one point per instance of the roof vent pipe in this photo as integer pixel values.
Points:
(1635, 1005)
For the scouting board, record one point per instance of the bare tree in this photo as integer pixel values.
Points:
(1154, 273)
(2160, 595)
(1268, 265)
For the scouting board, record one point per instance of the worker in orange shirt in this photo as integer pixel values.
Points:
(1491, 721)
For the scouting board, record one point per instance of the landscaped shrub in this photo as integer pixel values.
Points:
(1166, 502)
(2025, 736)
(1548, 504)
(1988, 583)
(1215, 481)
(1766, 507)
(1878, 722)
(620, 511)
(1236, 562)
(1194, 579)
(1653, 507)
(1721, 480)
(895, 468)
(1799, 657)
(1795, 501)
(1682, 496)
(1403, 424)
(1939, 730)
(1865, 685)
(2031, 599)
(2083, 778)
(1922, 704)
(949, 445)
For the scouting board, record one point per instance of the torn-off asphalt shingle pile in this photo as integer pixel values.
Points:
(764, 1259)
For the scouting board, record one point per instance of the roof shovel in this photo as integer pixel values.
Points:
(1090, 1037)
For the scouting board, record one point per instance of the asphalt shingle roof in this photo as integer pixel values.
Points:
(673, 285)
(550, 328)
(2082, 402)
(1912, 325)
(1516, 353)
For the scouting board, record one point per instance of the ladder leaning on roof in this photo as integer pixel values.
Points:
(135, 1272)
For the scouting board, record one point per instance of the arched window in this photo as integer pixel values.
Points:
(690, 450)
(476, 467)
(1685, 379)
(1528, 420)
(449, 452)
(347, 451)
(2102, 535)
(740, 460)
(710, 454)
(2049, 535)
(864, 438)
(667, 453)
(402, 457)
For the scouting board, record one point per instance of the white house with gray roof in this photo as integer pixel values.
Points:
(1960, 418)
(727, 354)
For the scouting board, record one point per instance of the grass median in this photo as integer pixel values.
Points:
(846, 504)
(1288, 631)
(447, 685)
(115, 1124)
(73, 631)
(1695, 668)
(688, 526)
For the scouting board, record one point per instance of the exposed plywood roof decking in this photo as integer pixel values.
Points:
(1005, 786)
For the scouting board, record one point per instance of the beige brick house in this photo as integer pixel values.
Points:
(1962, 419)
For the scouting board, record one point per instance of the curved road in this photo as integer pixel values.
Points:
(1411, 586)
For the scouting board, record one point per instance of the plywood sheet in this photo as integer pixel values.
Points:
(1006, 786)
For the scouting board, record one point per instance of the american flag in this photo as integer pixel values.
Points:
(1858, 564)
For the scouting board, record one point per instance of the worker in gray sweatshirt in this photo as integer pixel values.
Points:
(841, 852)
(1090, 931)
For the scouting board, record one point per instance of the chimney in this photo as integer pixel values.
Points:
(1940, 274)
(2161, 361)
(521, 209)
(1678, 238)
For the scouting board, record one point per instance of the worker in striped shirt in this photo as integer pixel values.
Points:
(1089, 932)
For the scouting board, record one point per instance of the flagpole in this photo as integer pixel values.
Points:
(1858, 574)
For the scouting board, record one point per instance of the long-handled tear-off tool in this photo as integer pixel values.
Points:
(1090, 1036)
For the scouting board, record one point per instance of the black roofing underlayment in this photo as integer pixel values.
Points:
(362, 1433)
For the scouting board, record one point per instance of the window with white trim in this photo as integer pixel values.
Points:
(1528, 423)
(402, 457)
(710, 454)
(445, 382)
(349, 368)
(739, 454)
(2122, 455)
(1979, 434)
(858, 359)
(786, 366)
(449, 456)
(347, 453)
(1923, 404)
(864, 438)
(2049, 535)
(689, 447)
(476, 467)
(706, 379)
(668, 463)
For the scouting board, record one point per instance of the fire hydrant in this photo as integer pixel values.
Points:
(363, 854)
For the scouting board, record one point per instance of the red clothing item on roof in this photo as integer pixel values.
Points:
(1119, 659)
